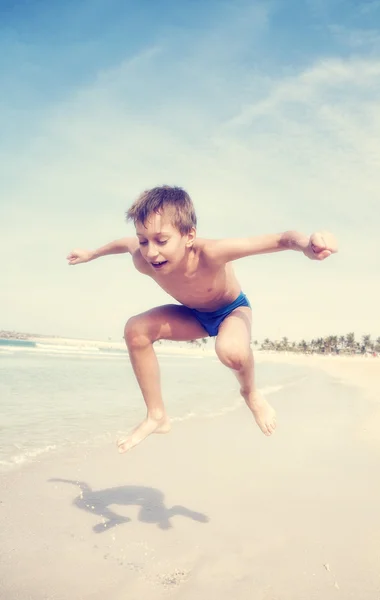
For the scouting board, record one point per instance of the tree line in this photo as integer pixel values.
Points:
(331, 344)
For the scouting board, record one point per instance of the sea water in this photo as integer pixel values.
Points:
(54, 396)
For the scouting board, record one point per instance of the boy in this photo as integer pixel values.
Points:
(199, 275)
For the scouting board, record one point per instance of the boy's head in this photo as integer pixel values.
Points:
(173, 200)
(165, 222)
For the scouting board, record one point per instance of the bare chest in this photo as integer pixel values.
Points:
(203, 289)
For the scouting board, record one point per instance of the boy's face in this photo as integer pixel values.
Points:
(161, 244)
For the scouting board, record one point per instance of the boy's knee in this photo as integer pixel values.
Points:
(136, 332)
(232, 356)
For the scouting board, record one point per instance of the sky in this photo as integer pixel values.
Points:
(267, 113)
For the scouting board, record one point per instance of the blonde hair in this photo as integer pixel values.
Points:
(159, 198)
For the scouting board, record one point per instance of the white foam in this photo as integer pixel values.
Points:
(266, 391)
(27, 456)
(58, 350)
(22, 455)
(272, 389)
(64, 349)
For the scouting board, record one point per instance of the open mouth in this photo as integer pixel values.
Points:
(159, 265)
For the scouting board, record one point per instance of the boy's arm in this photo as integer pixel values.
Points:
(123, 245)
(317, 246)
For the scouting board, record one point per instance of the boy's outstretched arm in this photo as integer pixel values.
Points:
(116, 247)
(318, 246)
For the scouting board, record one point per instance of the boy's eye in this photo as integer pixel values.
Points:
(160, 243)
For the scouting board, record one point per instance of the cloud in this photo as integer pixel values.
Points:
(319, 129)
(357, 39)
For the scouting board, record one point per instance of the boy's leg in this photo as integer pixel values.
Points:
(169, 322)
(233, 349)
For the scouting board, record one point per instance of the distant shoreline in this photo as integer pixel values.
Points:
(172, 347)
(39, 337)
(16, 335)
(197, 346)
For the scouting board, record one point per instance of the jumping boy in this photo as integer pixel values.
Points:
(198, 274)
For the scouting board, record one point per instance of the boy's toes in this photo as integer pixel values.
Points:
(271, 427)
(123, 446)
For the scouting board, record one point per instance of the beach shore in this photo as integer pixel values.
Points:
(359, 371)
(350, 367)
(214, 509)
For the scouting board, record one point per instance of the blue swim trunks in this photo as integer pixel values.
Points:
(212, 320)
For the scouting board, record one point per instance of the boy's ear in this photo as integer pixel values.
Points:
(190, 237)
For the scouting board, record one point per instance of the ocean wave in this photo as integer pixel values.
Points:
(66, 348)
(26, 456)
(266, 391)
(10, 343)
(6, 351)
(22, 456)
(95, 352)
(60, 350)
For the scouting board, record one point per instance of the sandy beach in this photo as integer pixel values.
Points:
(213, 510)
(362, 372)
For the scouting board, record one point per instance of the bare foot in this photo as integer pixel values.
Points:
(264, 414)
(142, 431)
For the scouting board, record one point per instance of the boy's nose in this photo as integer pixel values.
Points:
(152, 252)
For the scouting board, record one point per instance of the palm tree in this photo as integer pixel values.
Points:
(334, 343)
(303, 346)
(284, 344)
(367, 344)
(194, 342)
(267, 344)
(342, 341)
(350, 342)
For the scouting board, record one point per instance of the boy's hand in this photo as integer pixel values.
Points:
(321, 245)
(79, 256)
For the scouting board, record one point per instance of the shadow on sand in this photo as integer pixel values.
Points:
(151, 501)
